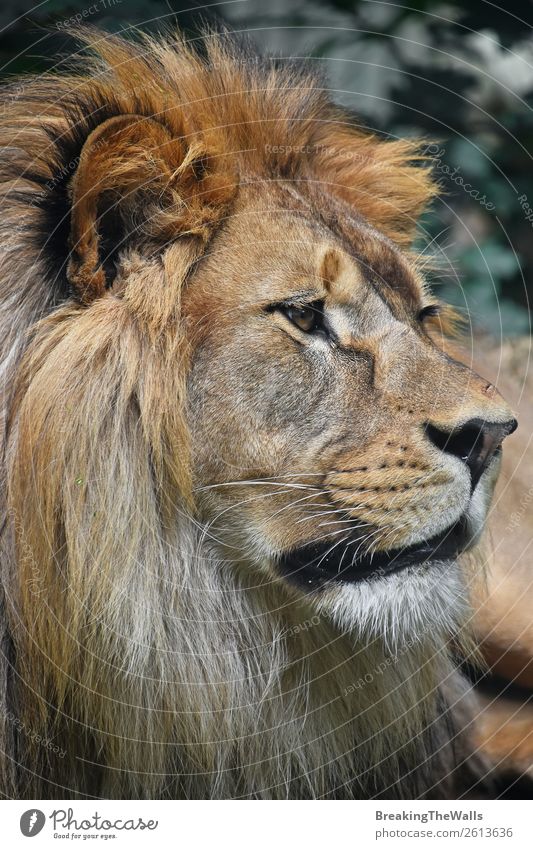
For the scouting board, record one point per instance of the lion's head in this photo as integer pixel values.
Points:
(334, 442)
(229, 410)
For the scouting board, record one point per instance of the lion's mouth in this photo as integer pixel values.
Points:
(315, 565)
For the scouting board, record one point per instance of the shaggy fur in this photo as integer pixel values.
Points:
(139, 658)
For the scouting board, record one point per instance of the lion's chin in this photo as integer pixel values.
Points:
(417, 605)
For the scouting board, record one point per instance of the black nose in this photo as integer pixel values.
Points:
(475, 442)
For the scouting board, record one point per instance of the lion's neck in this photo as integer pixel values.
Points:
(252, 693)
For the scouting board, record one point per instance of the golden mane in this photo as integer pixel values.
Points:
(236, 116)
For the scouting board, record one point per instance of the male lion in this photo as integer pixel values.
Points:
(237, 464)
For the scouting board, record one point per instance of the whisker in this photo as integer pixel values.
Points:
(323, 513)
(295, 503)
(321, 537)
(333, 547)
(230, 507)
(253, 498)
(260, 482)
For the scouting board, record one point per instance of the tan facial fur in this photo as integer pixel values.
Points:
(295, 435)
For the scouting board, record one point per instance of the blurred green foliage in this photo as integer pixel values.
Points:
(461, 75)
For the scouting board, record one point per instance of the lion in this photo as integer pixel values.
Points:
(238, 460)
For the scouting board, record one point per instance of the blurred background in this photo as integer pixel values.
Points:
(461, 76)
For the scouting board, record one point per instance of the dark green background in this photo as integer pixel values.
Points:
(459, 73)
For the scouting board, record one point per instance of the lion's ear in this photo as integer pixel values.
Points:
(116, 161)
(135, 179)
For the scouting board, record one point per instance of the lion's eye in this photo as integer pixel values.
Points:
(309, 319)
(429, 311)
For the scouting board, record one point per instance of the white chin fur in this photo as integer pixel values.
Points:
(416, 604)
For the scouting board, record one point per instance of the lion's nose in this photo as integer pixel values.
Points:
(475, 442)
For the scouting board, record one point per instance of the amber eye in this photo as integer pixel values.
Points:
(309, 319)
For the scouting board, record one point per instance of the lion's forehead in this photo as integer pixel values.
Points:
(266, 251)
